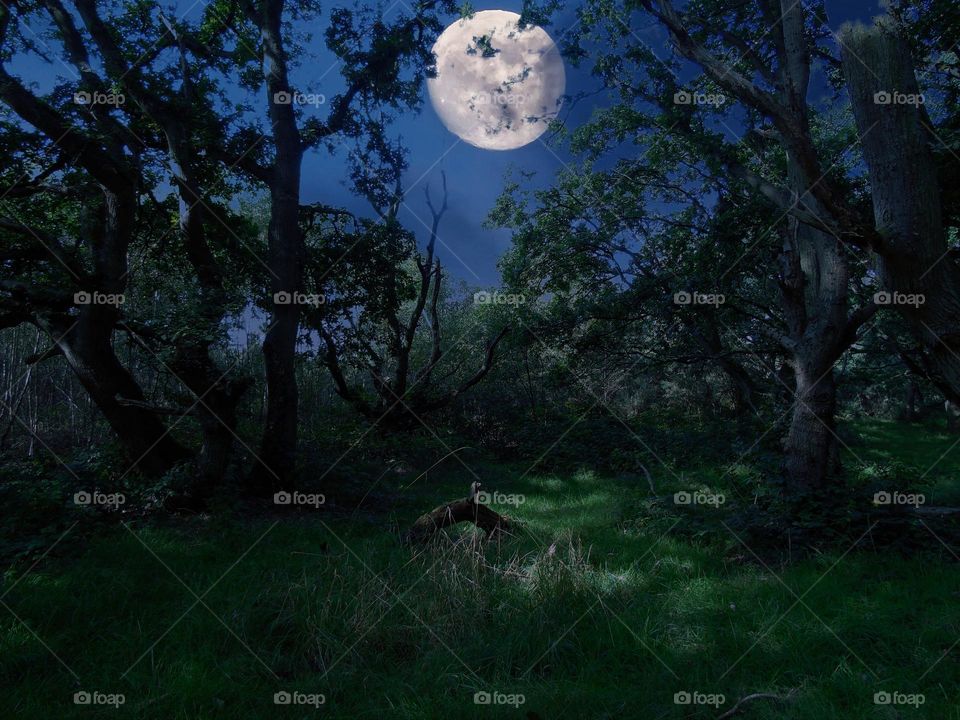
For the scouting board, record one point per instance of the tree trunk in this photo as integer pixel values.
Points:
(87, 345)
(912, 402)
(278, 446)
(216, 413)
(88, 352)
(811, 457)
(742, 387)
(814, 286)
(913, 257)
(952, 411)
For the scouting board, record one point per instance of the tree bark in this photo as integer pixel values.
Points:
(912, 255)
(814, 285)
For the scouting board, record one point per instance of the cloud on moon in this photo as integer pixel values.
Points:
(498, 86)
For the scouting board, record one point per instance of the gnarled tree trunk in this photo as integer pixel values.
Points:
(814, 289)
(896, 136)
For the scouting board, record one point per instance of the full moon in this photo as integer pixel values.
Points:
(498, 86)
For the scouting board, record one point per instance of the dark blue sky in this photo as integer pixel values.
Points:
(475, 177)
(468, 250)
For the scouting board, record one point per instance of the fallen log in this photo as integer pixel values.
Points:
(467, 509)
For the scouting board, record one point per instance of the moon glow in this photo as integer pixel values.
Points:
(498, 86)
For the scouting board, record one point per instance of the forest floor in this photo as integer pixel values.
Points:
(599, 608)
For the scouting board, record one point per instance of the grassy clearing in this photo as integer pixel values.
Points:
(926, 452)
(599, 609)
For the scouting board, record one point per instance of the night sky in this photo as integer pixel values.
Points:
(475, 177)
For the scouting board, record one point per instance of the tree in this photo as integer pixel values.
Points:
(897, 147)
(383, 66)
(764, 67)
(175, 115)
(99, 165)
(380, 315)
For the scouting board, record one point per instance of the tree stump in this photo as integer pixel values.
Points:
(466, 509)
